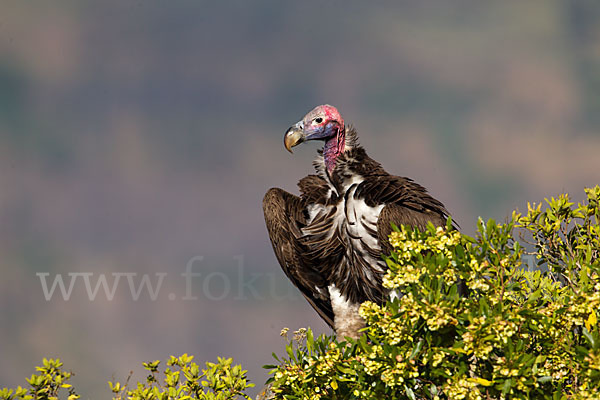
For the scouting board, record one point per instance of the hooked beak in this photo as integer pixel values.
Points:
(294, 136)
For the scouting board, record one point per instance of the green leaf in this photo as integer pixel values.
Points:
(589, 337)
(410, 393)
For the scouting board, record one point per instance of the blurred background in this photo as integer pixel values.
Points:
(140, 136)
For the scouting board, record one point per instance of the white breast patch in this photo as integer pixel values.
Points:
(360, 216)
(347, 321)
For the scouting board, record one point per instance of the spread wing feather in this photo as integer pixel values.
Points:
(285, 215)
(405, 203)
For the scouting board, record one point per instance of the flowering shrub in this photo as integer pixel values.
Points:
(48, 384)
(472, 320)
(181, 380)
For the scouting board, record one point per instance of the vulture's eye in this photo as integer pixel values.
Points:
(318, 120)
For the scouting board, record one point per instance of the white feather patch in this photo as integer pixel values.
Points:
(358, 213)
(314, 210)
(347, 321)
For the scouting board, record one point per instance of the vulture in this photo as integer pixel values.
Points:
(330, 240)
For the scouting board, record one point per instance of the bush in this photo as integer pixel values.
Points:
(181, 380)
(517, 333)
(47, 385)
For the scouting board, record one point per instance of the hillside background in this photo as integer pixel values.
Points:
(137, 135)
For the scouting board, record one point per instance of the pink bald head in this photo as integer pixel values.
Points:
(324, 123)
(327, 114)
(332, 113)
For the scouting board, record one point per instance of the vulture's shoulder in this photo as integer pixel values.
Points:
(403, 202)
(314, 189)
(389, 189)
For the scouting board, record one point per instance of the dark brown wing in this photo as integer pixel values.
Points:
(405, 203)
(314, 189)
(285, 215)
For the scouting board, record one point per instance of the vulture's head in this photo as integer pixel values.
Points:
(321, 123)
